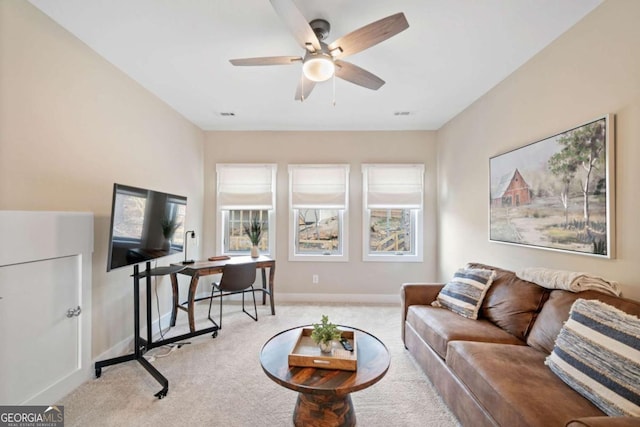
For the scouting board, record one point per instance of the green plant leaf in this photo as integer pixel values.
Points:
(325, 331)
(254, 230)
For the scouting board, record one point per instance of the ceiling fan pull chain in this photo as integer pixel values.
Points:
(334, 89)
(301, 87)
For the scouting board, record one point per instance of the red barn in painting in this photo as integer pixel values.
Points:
(511, 191)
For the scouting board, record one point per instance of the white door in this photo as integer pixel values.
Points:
(41, 344)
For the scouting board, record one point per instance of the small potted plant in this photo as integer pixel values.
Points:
(254, 230)
(324, 333)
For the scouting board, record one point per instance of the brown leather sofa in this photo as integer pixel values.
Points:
(491, 371)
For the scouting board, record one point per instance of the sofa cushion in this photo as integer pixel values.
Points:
(512, 383)
(512, 303)
(464, 293)
(556, 311)
(605, 421)
(597, 353)
(438, 326)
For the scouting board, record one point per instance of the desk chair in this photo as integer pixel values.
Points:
(236, 279)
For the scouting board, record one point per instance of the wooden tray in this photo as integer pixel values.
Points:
(306, 353)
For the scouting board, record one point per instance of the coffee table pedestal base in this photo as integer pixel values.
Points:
(317, 410)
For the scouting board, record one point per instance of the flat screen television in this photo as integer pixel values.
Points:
(145, 225)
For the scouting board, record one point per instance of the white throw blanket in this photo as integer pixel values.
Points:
(569, 280)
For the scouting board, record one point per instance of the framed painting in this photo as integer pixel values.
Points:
(557, 193)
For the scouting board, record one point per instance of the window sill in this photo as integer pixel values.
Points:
(318, 258)
(392, 258)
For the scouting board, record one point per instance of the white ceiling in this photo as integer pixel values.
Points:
(453, 52)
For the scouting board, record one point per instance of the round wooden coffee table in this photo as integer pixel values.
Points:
(324, 394)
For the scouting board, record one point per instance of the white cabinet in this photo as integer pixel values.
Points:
(45, 305)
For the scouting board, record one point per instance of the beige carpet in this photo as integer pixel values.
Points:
(219, 382)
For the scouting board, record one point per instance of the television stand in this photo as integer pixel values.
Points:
(140, 345)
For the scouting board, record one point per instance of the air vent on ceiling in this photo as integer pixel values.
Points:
(227, 114)
(402, 113)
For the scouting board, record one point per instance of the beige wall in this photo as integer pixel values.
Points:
(71, 125)
(591, 70)
(369, 279)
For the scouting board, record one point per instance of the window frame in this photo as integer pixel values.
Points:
(417, 216)
(343, 220)
(223, 214)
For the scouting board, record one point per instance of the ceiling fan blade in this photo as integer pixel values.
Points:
(297, 24)
(267, 60)
(305, 86)
(369, 35)
(354, 74)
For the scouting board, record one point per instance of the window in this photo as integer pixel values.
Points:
(318, 231)
(244, 192)
(318, 197)
(392, 212)
(238, 241)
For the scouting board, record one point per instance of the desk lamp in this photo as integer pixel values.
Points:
(186, 245)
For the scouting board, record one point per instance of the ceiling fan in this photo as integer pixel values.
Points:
(322, 61)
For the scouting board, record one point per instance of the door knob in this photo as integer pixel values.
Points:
(74, 312)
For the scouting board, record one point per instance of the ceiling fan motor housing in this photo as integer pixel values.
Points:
(321, 28)
(318, 65)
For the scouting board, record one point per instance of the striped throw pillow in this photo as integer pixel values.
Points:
(597, 353)
(464, 293)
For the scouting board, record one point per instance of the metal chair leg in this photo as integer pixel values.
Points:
(219, 326)
(255, 309)
(220, 309)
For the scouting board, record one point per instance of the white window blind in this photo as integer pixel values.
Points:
(246, 186)
(393, 186)
(318, 186)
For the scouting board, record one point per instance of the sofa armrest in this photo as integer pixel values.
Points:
(417, 294)
(605, 421)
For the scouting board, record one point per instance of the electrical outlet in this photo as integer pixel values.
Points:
(315, 279)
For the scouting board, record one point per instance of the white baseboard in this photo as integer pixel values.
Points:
(339, 298)
(319, 298)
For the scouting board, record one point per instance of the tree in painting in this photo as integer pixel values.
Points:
(583, 147)
(564, 167)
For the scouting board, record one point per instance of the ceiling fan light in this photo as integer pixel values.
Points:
(318, 68)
